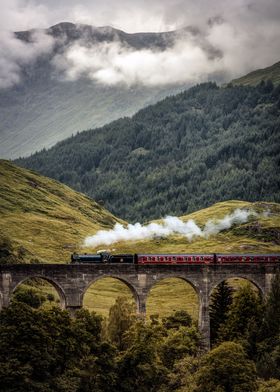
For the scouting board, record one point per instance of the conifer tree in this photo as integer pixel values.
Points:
(272, 309)
(221, 300)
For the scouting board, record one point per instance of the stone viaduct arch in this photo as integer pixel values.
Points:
(15, 284)
(72, 281)
(120, 278)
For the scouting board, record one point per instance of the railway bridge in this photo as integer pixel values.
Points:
(72, 281)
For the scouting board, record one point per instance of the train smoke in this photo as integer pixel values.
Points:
(171, 225)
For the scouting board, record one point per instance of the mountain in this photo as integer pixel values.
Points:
(45, 108)
(187, 152)
(42, 220)
(253, 78)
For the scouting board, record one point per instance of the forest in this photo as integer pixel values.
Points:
(45, 349)
(204, 145)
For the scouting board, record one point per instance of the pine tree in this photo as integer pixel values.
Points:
(221, 300)
(272, 309)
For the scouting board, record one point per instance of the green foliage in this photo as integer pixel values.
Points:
(177, 319)
(8, 254)
(221, 299)
(244, 319)
(204, 145)
(183, 375)
(140, 367)
(268, 361)
(29, 297)
(272, 310)
(179, 343)
(49, 351)
(226, 369)
(121, 317)
(269, 386)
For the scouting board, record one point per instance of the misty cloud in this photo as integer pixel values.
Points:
(114, 63)
(15, 53)
(171, 225)
(245, 33)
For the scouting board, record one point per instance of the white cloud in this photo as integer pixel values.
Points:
(15, 53)
(246, 32)
(113, 63)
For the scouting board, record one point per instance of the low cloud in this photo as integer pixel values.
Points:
(114, 63)
(16, 53)
(245, 34)
(171, 225)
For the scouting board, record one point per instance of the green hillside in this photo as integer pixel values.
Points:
(43, 220)
(185, 153)
(253, 78)
(261, 234)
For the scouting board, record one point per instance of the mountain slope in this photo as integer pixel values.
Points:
(43, 220)
(185, 153)
(45, 108)
(253, 78)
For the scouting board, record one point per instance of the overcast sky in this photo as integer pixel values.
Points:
(246, 32)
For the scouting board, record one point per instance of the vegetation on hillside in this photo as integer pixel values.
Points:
(185, 153)
(261, 234)
(271, 73)
(43, 220)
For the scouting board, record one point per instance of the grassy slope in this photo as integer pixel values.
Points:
(49, 220)
(44, 219)
(260, 234)
(255, 77)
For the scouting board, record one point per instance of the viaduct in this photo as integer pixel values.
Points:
(72, 281)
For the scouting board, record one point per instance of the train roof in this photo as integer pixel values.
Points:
(248, 254)
(175, 254)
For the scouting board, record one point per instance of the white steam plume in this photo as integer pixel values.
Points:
(171, 225)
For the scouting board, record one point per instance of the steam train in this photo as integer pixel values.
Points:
(162, 259)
